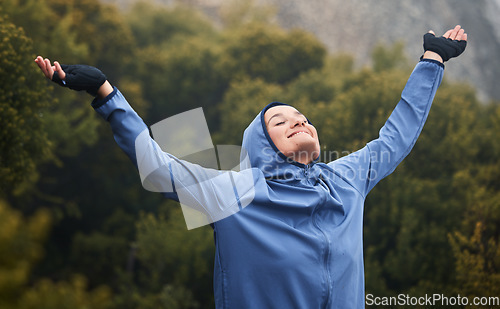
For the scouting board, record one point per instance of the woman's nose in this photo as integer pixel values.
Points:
(299, 122)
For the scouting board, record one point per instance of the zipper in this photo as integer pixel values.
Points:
(326, 254)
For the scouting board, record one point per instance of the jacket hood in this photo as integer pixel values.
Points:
(262, 152)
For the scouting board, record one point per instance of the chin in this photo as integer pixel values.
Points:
(311, 153)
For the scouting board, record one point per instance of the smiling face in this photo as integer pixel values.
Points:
(292, 134)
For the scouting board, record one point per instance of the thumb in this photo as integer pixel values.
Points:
(431, 32)
(59, 70)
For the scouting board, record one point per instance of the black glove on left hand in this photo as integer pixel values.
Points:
(446, 48)
(81, 77)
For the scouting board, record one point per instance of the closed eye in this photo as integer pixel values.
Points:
(280, 123)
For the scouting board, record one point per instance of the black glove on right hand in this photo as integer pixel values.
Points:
(81, 77)
(446, 48)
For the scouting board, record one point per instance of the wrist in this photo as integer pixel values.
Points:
(98, 101)
(104, 90)
(432, 55)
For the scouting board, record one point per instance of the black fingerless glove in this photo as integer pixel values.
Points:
(81, 77)
(446, 48)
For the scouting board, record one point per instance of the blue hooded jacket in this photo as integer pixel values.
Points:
(298, 244)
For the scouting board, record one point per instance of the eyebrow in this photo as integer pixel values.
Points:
(281, 114)
(275, 115)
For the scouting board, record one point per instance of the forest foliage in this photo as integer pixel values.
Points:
(77, 230)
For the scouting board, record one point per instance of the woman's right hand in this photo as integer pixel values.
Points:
(49, 69)
(76, 76)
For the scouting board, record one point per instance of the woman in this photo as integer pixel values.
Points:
(298, 243)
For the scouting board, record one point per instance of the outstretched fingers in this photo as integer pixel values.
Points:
(41, 64)
(447, 34)
(49, 68)
(456, 33)
(461, 36)
(59, 70)
(45, 66)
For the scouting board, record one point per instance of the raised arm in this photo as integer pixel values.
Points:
(366, 167)
(125, 123)
(212, 194)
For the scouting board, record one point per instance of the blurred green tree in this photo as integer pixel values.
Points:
(475, 244)
(242, 102)
(65, 295)
(154, 25)
(259, 50)
(23, 101)
(20, 248)
(389, 57)
(179, 77)
(171, 255)
(477, 262)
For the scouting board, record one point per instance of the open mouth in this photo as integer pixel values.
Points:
(297, 133)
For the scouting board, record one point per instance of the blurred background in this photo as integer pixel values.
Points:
(77, 230)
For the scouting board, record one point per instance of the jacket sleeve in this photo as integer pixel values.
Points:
(206, 195)
(126, 125)
(380, 157)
